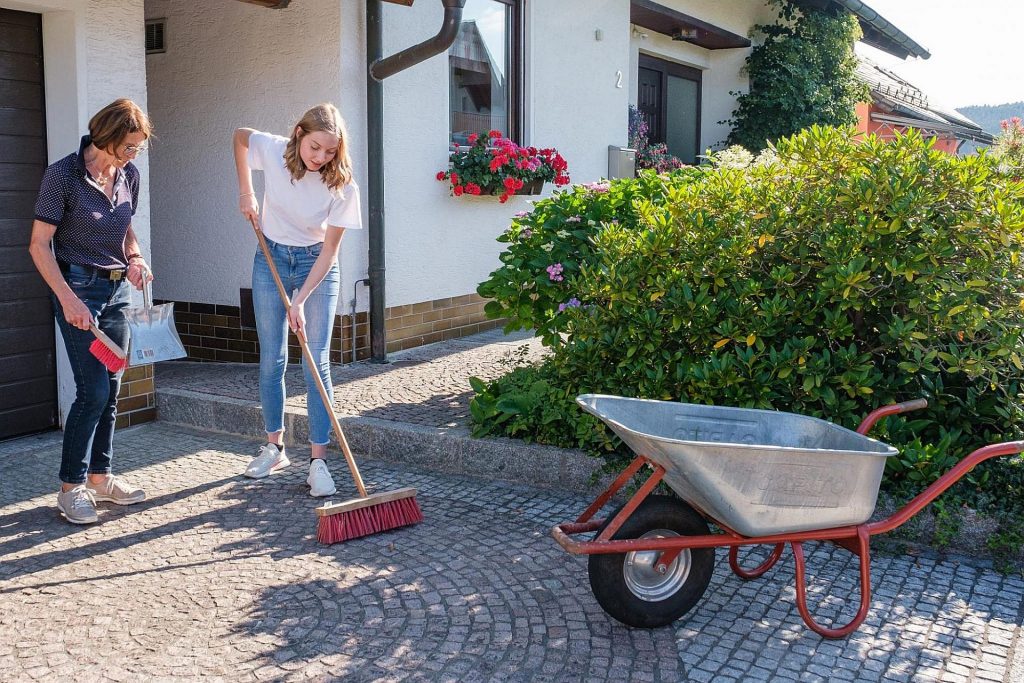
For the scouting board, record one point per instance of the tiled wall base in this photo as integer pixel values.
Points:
(137, 401)
(215, 332)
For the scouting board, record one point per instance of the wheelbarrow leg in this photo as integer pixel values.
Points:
(863, 538)
(748, 574)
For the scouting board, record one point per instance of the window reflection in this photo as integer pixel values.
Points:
(479, 66)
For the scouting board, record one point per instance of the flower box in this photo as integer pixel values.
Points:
(494, 165)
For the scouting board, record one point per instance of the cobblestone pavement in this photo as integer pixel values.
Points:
(218, 576)
(425, 386)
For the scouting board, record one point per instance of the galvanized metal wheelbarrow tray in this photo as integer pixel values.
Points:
(762, 477)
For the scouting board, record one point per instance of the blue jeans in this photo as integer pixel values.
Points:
(293, 265)
(89, 430)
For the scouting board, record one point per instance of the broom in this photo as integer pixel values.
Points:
(368, 514)
(107, 351)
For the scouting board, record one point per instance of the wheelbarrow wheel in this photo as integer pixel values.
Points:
(627, 585)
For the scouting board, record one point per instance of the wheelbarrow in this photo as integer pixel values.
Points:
(761, 477)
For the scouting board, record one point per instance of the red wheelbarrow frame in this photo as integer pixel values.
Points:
(856, 539)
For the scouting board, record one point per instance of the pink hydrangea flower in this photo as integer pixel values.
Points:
(555, 272)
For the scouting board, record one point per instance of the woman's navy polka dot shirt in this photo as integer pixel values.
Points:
(91, 227)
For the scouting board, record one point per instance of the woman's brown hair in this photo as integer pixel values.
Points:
(111, 125)
(325, 118)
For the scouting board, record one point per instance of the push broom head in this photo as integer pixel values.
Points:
(365, 516)
(108, 352)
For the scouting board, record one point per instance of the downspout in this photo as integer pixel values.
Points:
(379, 69)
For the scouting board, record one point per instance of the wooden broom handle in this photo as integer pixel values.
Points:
(313, 366)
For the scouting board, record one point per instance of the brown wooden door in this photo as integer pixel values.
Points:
(28, 371)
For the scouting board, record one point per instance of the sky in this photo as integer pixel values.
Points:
(977, 48)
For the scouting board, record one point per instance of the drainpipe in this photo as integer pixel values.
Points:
(379, 69)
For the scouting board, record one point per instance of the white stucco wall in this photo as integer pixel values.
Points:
(92, 55)
(722, 69)
(231, 65)
(440, 246)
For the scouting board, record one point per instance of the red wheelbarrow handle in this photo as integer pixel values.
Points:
(885, 411)
(944, 482)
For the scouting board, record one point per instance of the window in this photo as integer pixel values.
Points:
(155, 32)
(485, 67)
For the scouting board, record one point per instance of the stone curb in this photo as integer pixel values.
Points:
(444, 449)
(452, 450)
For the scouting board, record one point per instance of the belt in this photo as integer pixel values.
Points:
(114, 275)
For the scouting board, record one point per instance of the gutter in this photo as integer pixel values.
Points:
(380, 68)
(885, 28)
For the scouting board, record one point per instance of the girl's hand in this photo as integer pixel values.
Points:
(296, 317)
(249, 207)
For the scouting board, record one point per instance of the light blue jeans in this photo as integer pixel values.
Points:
(293, 265)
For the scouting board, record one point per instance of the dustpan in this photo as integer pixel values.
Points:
(153, 335)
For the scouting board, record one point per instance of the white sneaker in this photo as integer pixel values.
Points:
(270, 459)
(320, 481)
(77, 505)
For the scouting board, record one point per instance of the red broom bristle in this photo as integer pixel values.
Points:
(368, 520)
(110, 360)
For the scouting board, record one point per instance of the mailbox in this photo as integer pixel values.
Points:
(621, 162)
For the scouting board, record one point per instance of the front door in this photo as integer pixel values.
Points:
(668, 97)
(28, 371)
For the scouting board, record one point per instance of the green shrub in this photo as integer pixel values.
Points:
(846, 274)
(557, 234)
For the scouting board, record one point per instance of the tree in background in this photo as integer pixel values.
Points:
(1009, 148)
(802, 74)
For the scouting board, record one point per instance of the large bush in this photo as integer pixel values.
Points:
(844, 274)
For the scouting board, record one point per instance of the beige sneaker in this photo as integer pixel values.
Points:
(77, 505)
(116, 490)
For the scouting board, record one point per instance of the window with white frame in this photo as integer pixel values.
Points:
(484, 68)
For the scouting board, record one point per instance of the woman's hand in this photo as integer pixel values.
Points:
(248, 206)
(297, 317)
(76, 312)
(139, 272)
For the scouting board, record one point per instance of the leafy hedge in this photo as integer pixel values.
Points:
(840, 275)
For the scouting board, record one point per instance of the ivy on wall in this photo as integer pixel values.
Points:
(802, 73)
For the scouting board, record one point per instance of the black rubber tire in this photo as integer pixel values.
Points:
(607, 573)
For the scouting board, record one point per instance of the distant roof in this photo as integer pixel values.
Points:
(903, 103)
(878, 31)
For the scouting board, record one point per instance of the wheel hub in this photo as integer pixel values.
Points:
(642, 575)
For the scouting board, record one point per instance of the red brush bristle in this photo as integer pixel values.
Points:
(110, 360)
(368, 520)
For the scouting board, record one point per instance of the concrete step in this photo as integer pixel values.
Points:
(442, 449)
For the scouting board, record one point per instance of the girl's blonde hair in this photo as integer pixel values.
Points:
(327, 119)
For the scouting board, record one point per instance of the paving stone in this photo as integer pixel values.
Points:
(220, 577)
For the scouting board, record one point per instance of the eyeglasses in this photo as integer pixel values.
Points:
(135, 149)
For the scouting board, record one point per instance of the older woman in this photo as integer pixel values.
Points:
(85, 208)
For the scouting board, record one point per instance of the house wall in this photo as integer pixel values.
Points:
(944, 142)
(92, 55)
(229, 66)
(722, 70)
(573, 104)
(237, 66)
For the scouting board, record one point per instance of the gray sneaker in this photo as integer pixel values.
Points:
(269, 459)
(77, 505)
(116, 490)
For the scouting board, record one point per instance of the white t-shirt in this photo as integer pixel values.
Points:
(297, 213)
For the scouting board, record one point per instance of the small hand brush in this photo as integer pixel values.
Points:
(107, 350)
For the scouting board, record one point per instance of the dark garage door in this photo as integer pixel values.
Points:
(28, 375)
